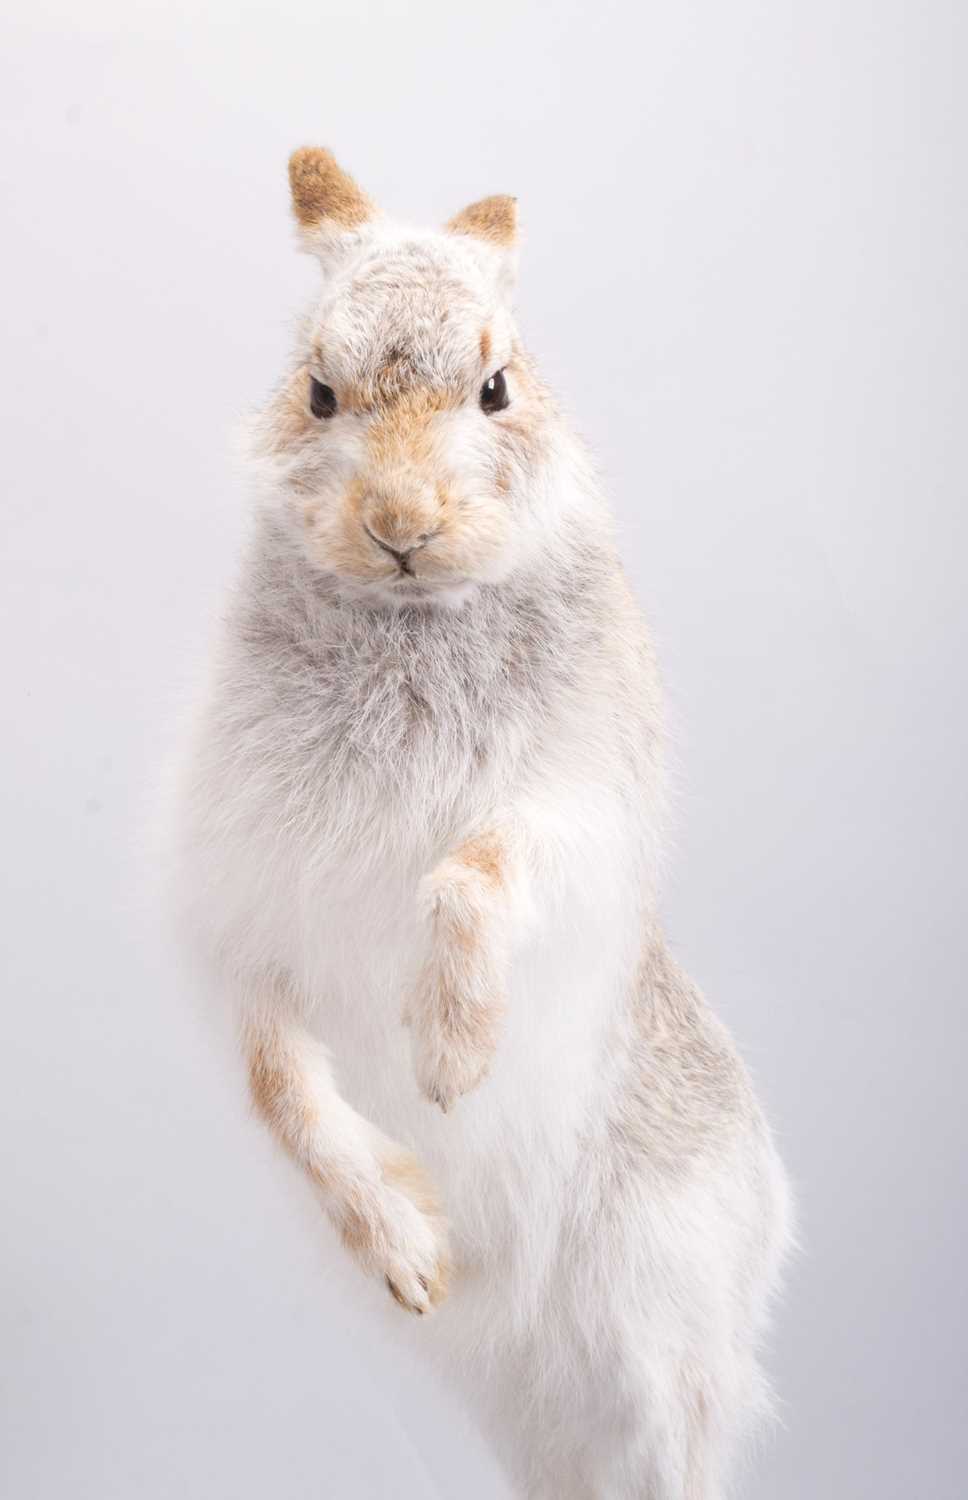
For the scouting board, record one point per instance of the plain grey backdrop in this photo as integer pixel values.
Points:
(744, 272)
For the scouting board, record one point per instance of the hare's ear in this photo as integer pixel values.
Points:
(332, 213)
(493, 220)
(492, 223)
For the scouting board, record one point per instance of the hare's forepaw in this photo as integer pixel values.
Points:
(453, 1036)
(456, 1005)
(399, 1234)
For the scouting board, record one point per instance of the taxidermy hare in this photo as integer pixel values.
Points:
(418, 836)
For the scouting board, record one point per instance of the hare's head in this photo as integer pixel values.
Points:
(411, 438)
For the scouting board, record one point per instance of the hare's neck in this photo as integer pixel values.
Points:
(470, 694)
(542, 621)
(434, 713)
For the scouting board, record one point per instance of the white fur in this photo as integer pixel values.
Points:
(617, 1211)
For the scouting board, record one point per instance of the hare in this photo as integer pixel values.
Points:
(418, 830)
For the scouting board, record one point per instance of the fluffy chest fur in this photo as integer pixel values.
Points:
(393, 729)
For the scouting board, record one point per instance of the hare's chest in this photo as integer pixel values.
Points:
(355, 771)
(409, 742)
(363, 791)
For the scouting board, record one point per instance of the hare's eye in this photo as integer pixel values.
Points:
(322, 398)
(494, 393)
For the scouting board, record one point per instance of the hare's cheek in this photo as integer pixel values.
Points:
(479, 535)
(520, 441)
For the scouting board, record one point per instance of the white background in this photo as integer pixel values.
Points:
(744, 270)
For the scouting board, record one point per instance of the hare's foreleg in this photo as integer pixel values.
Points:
(469, 903)
(374, 1191)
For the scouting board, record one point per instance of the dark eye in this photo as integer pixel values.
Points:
(322, 398)
(494, 393)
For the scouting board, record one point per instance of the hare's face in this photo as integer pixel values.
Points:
(412, 433)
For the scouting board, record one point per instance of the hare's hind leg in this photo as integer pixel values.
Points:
(660, 1442)
(647, 1465)
(373, 1190)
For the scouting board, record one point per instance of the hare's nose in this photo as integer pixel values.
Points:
(401, 552)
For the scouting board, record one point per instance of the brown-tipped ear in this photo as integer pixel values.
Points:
(494, 220)
(323, 194)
